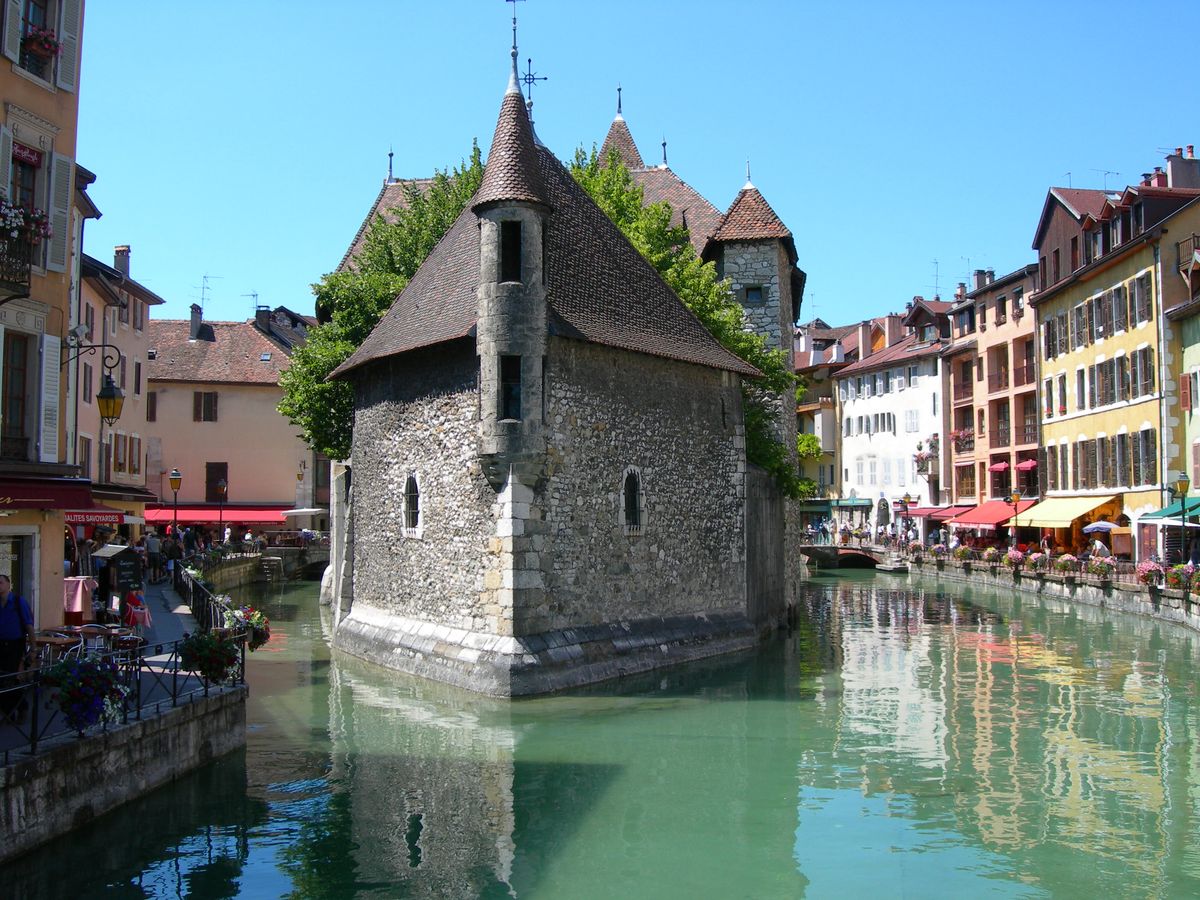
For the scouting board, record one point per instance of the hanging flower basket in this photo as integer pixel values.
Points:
(18, 222)
(252, 622)
(211, 654)
(41, 42)
(89, 691)
(1150, 572)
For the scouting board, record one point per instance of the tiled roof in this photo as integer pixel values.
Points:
(751, 218)
(392, 196)
(619, 139)
(598, 287)
(899, 352)
(688, 208)
(511, 172)
(1080, 201)
(827, 333)
(234, 356)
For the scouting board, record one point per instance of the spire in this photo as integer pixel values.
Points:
(619, 139)
(514, 79)
(749, 185)
(512, 171)
(389, 177)
(664, 146)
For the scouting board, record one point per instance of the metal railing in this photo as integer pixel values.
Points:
(151, 675)
(1027, 434)
(998, 381)
(1000, 437)
(1186, 249)
(16, 260)
(1023, 375)
(964, 391)
(964, 445)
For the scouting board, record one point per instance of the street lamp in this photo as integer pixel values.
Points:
(222, 487)
(176, 479)
(1181, 487)
(1015, 500)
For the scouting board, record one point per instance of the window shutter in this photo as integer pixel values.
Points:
(1195, 463)
(151, 406)
(12, 33)
(68, 36)
(51, 350)
(61, 191)
(1185, 391)
(6, 141)
(197, 406)
(214, 406)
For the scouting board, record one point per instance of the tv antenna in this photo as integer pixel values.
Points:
(1106, 173)
(204, 288)
(253, 295)
(936, 283)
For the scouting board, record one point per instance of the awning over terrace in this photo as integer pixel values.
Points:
(191, 515)
(988, 515)
(1059, 512)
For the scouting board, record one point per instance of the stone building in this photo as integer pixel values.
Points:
(548, 463)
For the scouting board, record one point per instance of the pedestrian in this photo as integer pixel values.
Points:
(154, 556)
(1098, 549)
(228, 533)
(16, 643)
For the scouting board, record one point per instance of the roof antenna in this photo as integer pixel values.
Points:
(253, 295)
(1068, 174)
(1106, 173)
(619, 116)
(514, 78)
(389, 178)
(664, 151)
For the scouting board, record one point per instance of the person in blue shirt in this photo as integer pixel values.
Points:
(16, 640)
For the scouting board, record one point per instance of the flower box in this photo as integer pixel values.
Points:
(41, 42)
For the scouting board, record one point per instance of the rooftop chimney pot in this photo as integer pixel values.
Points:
(197, 319)
(121, 259)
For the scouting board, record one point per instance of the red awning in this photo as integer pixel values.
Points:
(45, 493)
(1026, 465)
(949, 512)
(989, 515)
(96, 514)
(921, 512)
(232, 515)
(998, 467)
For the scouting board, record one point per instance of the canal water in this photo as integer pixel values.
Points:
(916, 741)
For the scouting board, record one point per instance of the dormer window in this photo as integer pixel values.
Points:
(510, 251)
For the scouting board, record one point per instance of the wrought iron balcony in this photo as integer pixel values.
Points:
(964, 445)
(963, 392)
(1001, 437)
(1027, 434)
(16, 259)
(998, 381)
(1023, 375)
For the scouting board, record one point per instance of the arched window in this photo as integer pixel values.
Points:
(412, 504)
(633, 496)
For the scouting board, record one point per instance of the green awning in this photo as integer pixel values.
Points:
(852, 501)
(814, 506)
(1174, 510)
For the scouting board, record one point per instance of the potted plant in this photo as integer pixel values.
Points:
(1180, 576)
(939, 553)
(1150, 572)
(41, 42)
(210, 655)
(1102, 567)
(964, 555)
(252, 622)
(1038, 562)
(89, 691)
(1067, 566)
(1014, 559)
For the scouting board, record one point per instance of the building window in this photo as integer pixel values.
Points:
(135, 456)
(152, 406)
(85, 457)
(412, 505)
(85, 389)
(510, 386)
(137, 377)
(633, 513)
(204, 406)
(754, 294)
(122, 377)
(16, 397)
(119, 464)
(123, 313)
(510, 251)
(89, 319)
(215, 472)
(139, 315)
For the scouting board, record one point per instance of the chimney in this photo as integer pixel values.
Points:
(1145, 179)
(1159, 178)
(960, 292)
(864, 339)
(979, 277)
(1183, 172)
(991, 275)
(262, 319)
(197, 320)
(893, 328)
(121, 259)
(837, 353)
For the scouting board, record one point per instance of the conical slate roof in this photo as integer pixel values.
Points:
(511, 172)
(751, 218)
(598, 287)
(619, 139)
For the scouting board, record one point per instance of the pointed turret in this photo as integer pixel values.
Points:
(619, 139)
(750, 218)
(511, 173)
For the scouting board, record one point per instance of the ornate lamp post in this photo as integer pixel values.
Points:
(1015, 500)
(1181, 488)
(222, 487)
(176, 479)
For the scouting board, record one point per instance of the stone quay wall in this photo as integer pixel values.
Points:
(70, 783)
(1164, 604)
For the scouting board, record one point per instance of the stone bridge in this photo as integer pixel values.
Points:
(297, 562)
(829, 556)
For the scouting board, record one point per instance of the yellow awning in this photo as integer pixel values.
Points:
(1058, 512)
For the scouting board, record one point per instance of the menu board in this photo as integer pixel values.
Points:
(126, 572)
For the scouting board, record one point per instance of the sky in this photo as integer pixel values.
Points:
(904, 144)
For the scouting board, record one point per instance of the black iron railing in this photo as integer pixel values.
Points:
(16, 260)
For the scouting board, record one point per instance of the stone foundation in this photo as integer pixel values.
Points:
(538, 664)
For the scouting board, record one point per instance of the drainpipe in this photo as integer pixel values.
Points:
(1037, 388)
(1162, 392)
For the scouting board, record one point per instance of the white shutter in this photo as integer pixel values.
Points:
(61, 190)
(6, 140)
(12, 31)
(48, 446)
(68, 35)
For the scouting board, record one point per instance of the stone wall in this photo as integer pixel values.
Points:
(761, 263)
(679, 427)
(71, 783)
(417, 414)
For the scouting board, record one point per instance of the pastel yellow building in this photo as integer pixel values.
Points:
(1110, 431)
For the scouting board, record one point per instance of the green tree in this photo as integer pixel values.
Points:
(667, 247)
(351, 302)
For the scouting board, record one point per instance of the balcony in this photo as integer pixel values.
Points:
(16, 258)
(964, 445)
(964, 392)
(998, 381)
(1027, 434)
(1186, 251)
(1024, 375)
(1001, 437)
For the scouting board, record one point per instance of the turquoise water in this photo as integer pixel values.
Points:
(901, 742)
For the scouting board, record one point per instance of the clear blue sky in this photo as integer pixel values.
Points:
(234, 140)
